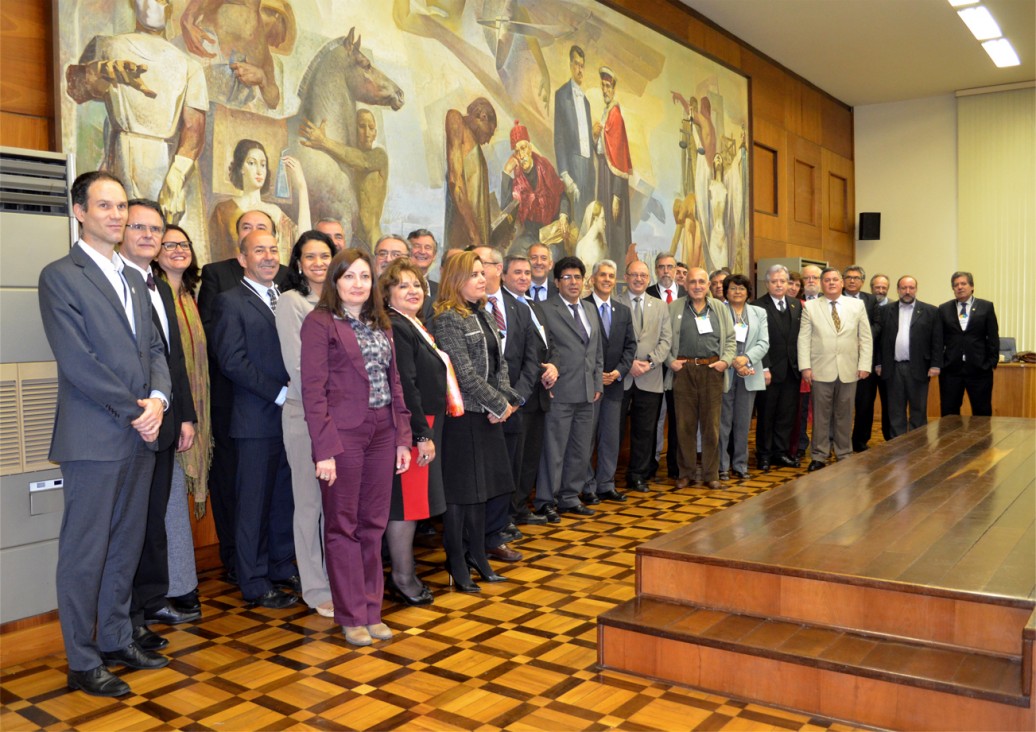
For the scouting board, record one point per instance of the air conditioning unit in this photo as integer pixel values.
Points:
(35, 229)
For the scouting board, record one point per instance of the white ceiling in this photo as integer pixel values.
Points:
(874, 51)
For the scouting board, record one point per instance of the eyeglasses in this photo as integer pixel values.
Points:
(156, 230)
(571, 278)
(852, 277)
(171, 246)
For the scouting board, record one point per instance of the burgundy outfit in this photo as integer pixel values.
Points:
(335, 395)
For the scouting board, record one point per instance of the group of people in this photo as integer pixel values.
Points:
(331, 406)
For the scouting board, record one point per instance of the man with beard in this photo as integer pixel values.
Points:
(531, 181)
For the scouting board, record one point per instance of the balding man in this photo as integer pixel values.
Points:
(249, 353)
(334, 229)
(388, 249)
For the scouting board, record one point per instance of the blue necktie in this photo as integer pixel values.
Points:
(606, 319)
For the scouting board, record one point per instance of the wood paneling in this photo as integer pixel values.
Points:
(765, 184)
(25, 57)
(1014, 392)
(805, 194)
(19, 130)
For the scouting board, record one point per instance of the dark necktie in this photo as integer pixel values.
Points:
(964, 310)
(150, 282)
(273, 295)
(780, 306)
(579, 324)
(536, 290)
(497, 315)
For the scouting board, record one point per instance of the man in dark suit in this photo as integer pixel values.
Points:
(542, 286)
(666, 290)
(907, 354)
(218, 277)
(620, 346)
(140, 246)
(113, 390)
(573, 137)
(576, 350)
(249, 353)
(971, 339)
(423, 248)
(517, 275)
(775, 411)
(866, 389)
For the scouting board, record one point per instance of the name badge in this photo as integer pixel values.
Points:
(704, 325)
(741, 332)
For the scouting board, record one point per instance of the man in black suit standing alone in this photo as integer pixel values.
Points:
(971, 339)
(908, 354)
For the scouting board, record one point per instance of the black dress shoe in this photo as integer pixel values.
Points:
(547, 511)
(764, 465)
(133, 656)
(579, 509)
(293, 583)
(487, 574)
(230, 576)
(97, 682)
(169, 615)
(638, 485)
(589, 499)
(530, 519)
(511, 533)
(786, 461)
(424, 597)
(611, 496)
(740, 474)
(274, 600)
(147, 640)
(186, 603)
(816, 465)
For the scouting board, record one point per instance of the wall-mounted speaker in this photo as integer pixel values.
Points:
(870, 226)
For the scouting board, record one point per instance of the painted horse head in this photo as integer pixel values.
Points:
(342, 63)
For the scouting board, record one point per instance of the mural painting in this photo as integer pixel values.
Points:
(500, 122)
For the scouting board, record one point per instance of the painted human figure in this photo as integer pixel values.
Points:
(614, 168)
(467, 176)
(530, 180)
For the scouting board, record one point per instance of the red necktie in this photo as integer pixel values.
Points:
(668, 296)
(497, 314)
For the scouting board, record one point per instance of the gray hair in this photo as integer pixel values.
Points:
(955, 275)
(603, 263)
(855, 268)
(775, 269)
(397, 237)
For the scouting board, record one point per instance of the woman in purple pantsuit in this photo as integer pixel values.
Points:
(360, 428)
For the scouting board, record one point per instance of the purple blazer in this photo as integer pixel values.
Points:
(335, 386)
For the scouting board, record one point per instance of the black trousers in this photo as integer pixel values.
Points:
(641, 408)
(979, 387)
(775, 419)
(223, 468)
(863, 421)
(151, 580)
(532, 449)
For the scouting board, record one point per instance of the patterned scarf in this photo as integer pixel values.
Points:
(195, 462)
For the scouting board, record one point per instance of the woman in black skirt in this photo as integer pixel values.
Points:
(416, 494)
(475, 463)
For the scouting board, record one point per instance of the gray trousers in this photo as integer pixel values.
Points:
(607, 428)
(102, 532)
(734, 420)
(183, 574)
(833, 403)
(567, 443)
(308, 521)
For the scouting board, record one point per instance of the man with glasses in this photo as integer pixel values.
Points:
(668, 291)
(866, 389)
(811, 282)
(576, 350)
(388, 249)
(140, 246)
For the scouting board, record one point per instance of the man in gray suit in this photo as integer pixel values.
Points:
(575, 348)
(113, 389)
(642, 398)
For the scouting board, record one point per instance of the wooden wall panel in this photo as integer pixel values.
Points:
(770, 225)
(804, 194)
(25, 58)
(839, 209)
(769, 89)
(837, 123)
(19, 130)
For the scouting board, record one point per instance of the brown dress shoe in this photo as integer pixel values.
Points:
(682, 482)
(714, 485)
(504, 553)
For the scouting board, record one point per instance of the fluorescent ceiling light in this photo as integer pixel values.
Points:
(1002, 53)
(980, 23)
(962, 3)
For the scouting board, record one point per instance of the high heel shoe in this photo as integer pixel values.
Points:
(424, 597)
(462, 586)
(489, 576)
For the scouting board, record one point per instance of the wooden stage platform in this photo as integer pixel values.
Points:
(895, 589)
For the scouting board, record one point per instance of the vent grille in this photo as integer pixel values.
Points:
(39, 402)
(10, 442)
(28, 400)
(33, 182)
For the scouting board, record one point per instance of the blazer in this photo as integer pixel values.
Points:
(524, 350)
(757, 345)
(566, 136)
(619, 347)
(103, 368)
(217, 277)
(249, 355)
(422, 376)
(656, 291)
(782, 359)
(580, 367)
(336, 388)
(181, 406)
(653, 341)
(465, 341)
(870, 302)
(728, 344)
(972, 350)
(835, 354)
(925, 340)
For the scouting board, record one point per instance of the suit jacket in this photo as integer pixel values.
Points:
(653, 341)
(870, 302)
(579, 366)
(656, 291)
(728, 345)
(782, 359)
(972, 350)
(181, 406)
(619, 347)
(464, 339)
(422, 376)
(757, 345)
(249, 355)
(335, 385)
(217, 277)
(925, 340)
(103, 368)
(566, 141)
(835, 354)
(524, 350)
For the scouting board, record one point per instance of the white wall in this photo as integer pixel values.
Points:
(906, 169)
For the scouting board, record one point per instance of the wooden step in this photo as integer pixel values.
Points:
(865, 677)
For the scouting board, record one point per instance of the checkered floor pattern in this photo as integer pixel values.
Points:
(519, 656)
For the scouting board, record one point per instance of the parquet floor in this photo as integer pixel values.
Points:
(519, 656)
